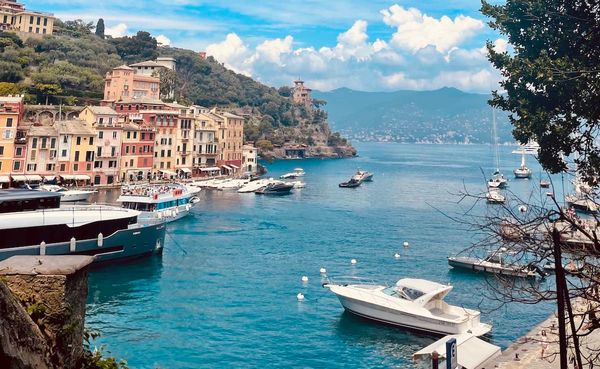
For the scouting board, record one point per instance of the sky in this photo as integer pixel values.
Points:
(368, 45)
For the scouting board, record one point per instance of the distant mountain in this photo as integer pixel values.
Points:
(446, 115)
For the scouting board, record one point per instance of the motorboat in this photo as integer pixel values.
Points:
(498, 180)
(544, 183)
(298, 184)
(581, 203)
(67, 195)
(351, 183)
(411, 303)
(493, 196)
(298, 172)
(363, 176)
(494, 263)
(253, 186)
(35, 223)
(281, 188)
(158, 203)
(572, 267)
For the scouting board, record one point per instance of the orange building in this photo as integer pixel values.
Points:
(123, 83)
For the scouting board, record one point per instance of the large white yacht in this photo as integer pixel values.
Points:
(411, 303)
(158, 203)
(35, 223)
(67, 194)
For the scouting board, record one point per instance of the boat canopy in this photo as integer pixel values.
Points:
(472, 352)
(422, 291)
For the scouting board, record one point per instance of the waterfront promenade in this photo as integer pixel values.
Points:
(526, 352)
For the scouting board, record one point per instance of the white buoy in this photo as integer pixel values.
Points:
(304, 278)
(522, 208)
(397, 256)
(353, 261)
(405, 244)
(300, 296)
(322, 270)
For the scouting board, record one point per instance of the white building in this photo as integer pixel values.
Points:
(249, 159)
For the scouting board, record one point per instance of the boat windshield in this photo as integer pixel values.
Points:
(403, 293)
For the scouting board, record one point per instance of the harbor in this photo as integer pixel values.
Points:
(231, 270)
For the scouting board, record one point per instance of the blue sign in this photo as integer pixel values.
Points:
(451, 353)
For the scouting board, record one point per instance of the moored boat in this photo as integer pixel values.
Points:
(493, 196)
(68, 195)
(411, 303)
(351, 183)
(363, 176)
(298, 172)
(281, 188)
(494, 263)
(35, 223)
(158, 203)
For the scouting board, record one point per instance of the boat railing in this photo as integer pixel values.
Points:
(352, 280)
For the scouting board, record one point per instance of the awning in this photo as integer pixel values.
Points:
(185, 170)
(49, 178)
(4, 179)
(210, 169)
(471, 351)
(226, 167)
(234, 166)
(82, 177)
(31, 177)
(168, 172)
(67, 176)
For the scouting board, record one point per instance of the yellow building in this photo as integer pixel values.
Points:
(11, 112)
(231, 140)
(29, 23)
(77, 146)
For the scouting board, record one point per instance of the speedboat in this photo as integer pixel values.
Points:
(35, 223)
(493, 196)
(351, 183)
(281, 188)
(298, 172)
(363, 176)
(411, 303)
(494, 263)
(66, 194)
(298, 184)
(253, 186)
(158, 203)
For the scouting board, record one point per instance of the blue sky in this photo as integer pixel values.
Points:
(373, 45)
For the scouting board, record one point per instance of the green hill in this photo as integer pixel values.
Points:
(444, 115)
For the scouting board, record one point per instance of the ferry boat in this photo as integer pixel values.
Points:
(67, 194)
(411, 303)
(298, 172)
(34, 223)
(158, 203)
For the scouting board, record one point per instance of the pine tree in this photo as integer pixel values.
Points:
(100, 28)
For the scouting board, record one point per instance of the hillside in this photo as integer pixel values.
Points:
(445, 115)
(69, 67)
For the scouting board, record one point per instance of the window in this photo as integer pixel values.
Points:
(44, 141)
(101, 120)
(76, 155)
(128, 134)
(113, 151)
(65, 139)
(126, 149)
(39, 20)
(133, 149)
(89, 156)
(53, 143)
(78, 140)
(9, 122)
(114, 134)
(1, 150)
(97, 164)
(31, 167)
(100, 134)
(63, 154)
(99, 151)
(91, 140)
(45, 22)
(18, 151)
(34, 142)
(131, 162)
(112, 164)
(75, 167)
(17, 165)
(50, 167)
(32, 156)
(63, 167)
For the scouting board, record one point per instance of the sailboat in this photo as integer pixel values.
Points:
(498, 180)
(523, 171)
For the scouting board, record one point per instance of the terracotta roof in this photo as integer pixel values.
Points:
(74, 127)
(141, 101)
(42, 131)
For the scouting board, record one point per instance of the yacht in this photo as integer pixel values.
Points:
(522, 171)
(298, 172)
(34, 223)
(494, 263)
(67, 194)
(363, 176)
(353, 182)
(253, 186)
(493, 196)
(411, 303)
(280, 188)
(583, 199)
(158, 203)
(497, 181)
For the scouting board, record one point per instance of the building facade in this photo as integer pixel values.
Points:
(77, 148)
(301, 94)
(11, 114)
(249, 159)
(205, 146)
(231, 140)
(123, 83)
(15, 18)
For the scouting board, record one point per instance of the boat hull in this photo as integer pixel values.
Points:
(405, 320)
(134, 242)
(73, 197)
(165, 216)
(522, 174)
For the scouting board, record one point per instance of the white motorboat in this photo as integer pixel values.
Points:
(493, 196)
(411, 303)
(253, 186)
(363, 176)
(494, 263)
(298, 184)
(66, 194)
(158, 203)
(298, 172)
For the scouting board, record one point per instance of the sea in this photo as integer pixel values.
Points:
(223, 294)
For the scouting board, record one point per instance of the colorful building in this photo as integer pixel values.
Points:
(109, 130)
(136, 152)
(205, 146)
(15, 18)
(42, 154)
(249, 159)
(123, 83)
(231, 140)
(11, 114)
(301, 94)
(76, 150)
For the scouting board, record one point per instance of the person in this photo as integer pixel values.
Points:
(543, 343)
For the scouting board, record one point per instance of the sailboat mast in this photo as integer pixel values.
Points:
(495, 133)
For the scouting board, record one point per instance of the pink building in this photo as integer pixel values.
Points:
(123, 83)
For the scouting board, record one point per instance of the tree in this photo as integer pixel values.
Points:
(10, 71)
(100, 28)
(168, 83)
(136, 48)
(76, 28)
(7, 88)
(46, 90)
(551, 77)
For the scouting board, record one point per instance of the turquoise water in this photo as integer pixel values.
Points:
(224, 292)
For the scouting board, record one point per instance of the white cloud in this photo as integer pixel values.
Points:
(232, 52)
(416, 30)
(271, 50)
(163, 40)
(118, 30)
